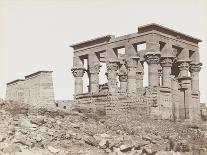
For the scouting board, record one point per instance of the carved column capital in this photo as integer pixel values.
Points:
(78, 72)
(123, 78)
(94, 69)
(132, 62)
(152, 58)
(183, 65)
(139, 75)
(166, 61)
(112, 66)
(195, 67)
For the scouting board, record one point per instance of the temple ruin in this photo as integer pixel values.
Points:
(173, 65)
(35, 89)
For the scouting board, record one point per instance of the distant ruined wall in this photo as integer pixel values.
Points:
(36, 89)
(15, 90)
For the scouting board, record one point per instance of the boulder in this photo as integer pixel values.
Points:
(125, 147)
(104, 135)
(11, 149)
(90, 140)
(2, 138)
(52, 149)
(103, 144)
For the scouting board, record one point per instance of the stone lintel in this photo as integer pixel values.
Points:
(92, 42)
(37, 73)
(184, 60)
(14, 82)
(167, 55)
(159, 28)
(113, 60)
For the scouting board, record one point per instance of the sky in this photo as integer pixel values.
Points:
(36, 34)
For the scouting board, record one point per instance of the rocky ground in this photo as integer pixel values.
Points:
(29, 130)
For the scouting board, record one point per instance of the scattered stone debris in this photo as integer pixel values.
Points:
(48, 131)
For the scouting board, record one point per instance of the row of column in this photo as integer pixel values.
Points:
(131, 74)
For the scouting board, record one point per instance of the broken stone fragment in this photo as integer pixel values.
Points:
(11, 149)
(52, 149)
(2, 138)
(104, 135)
(103, 144)
(90, 140)
(37, 138)
(125, 148)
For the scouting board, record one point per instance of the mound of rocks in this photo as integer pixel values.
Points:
(26, 129)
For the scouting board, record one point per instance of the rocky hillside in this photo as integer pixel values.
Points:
(29, 130)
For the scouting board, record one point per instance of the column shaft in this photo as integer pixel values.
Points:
(94, 68)
(123, 78)
(139, 80)
(78, 74)
(123, 83)
(94, 78)
(112, 68)
(166, 71)
(78, 85)
(131, 74)
(139, 74)
(194, 70)
(153, 74)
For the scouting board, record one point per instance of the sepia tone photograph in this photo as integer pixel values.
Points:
(113, 77)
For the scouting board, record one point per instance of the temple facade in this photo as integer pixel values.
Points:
(34, 89)
(173, 65)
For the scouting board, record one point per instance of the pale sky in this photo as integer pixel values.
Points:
(36, 34)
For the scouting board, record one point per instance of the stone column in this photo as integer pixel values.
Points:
(123, 78)
(159, 74)
(194, 70)
(94, 78)
(166, 63)
(78, 74)
(112, 67)
(153, 59)
(175, 97)
(185, 82)
(94, 69)
(131, 74)
(139, 75)
(139, 78)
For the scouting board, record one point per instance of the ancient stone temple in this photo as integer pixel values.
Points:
(173, 63)
(35, 89)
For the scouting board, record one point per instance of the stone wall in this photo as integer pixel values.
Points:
(35, 89)
(15, 90)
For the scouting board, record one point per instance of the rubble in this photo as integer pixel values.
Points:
(50, 131)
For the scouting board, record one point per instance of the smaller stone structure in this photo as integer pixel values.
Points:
(15, 90)
(35, 89)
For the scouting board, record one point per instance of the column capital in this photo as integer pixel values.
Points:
(131, 62)
(183, 64)
(78, 72)
(94, 69)
(153, 57)
(139, 75)
(112, 66)
(195, 67)
(166, 61)
(123, 78)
